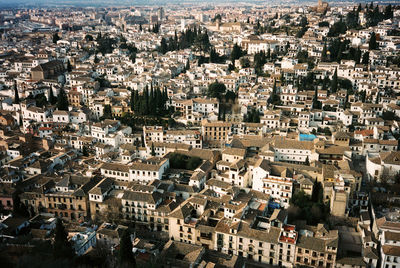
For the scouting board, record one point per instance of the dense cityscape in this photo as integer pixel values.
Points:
(200, 135)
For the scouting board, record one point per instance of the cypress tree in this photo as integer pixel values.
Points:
(62, 100)
(137, 101)
(153, 152)
(62, 248)
(187, 67)
(165, 94)
(324, 55)
(163, 46)
(256, 116)
(107, 112)
(365, 58)
(152, 102)
(315, 99)
(334, 83)
(16, 94)
(273, 98)
(55, 38)
(52, 98)
(388, 12)
(307, 162)
(146, 101)
(372, 42)
(377, 98)
(69, 66)
(133, 100)
(159, 102)
(85, 151)
(357, 55)
(125, 249)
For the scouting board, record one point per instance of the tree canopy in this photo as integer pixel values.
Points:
(180, 161)
(216, 90)
(150, 102)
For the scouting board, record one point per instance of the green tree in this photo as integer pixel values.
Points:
(88, 37)
(187, 66)
(41, 100)
(324, 55)
(16, 94)
(85, 151)
(372, 44)
(303, 21)
(107, 114)
(274, 97)
(163, 46)
(126, 256)
(352, 19)
(268, 56)
(62, 100)
(388, 12)
(357, 55)
(316, 103)
(334, 82)
(256, 116)
(153, 152)
(69, 66)
(202, 42)
(216, 90)
(259, 61)
(365, 58)
(105, 44)
(62, 248)
(52, 98)
(133, 100)
(307, 162)
(337, 29)
(56, 38)
(99, 37)
(237, 52)
(193, 163)
(214, 57)
(302, 56)
(327, 131)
